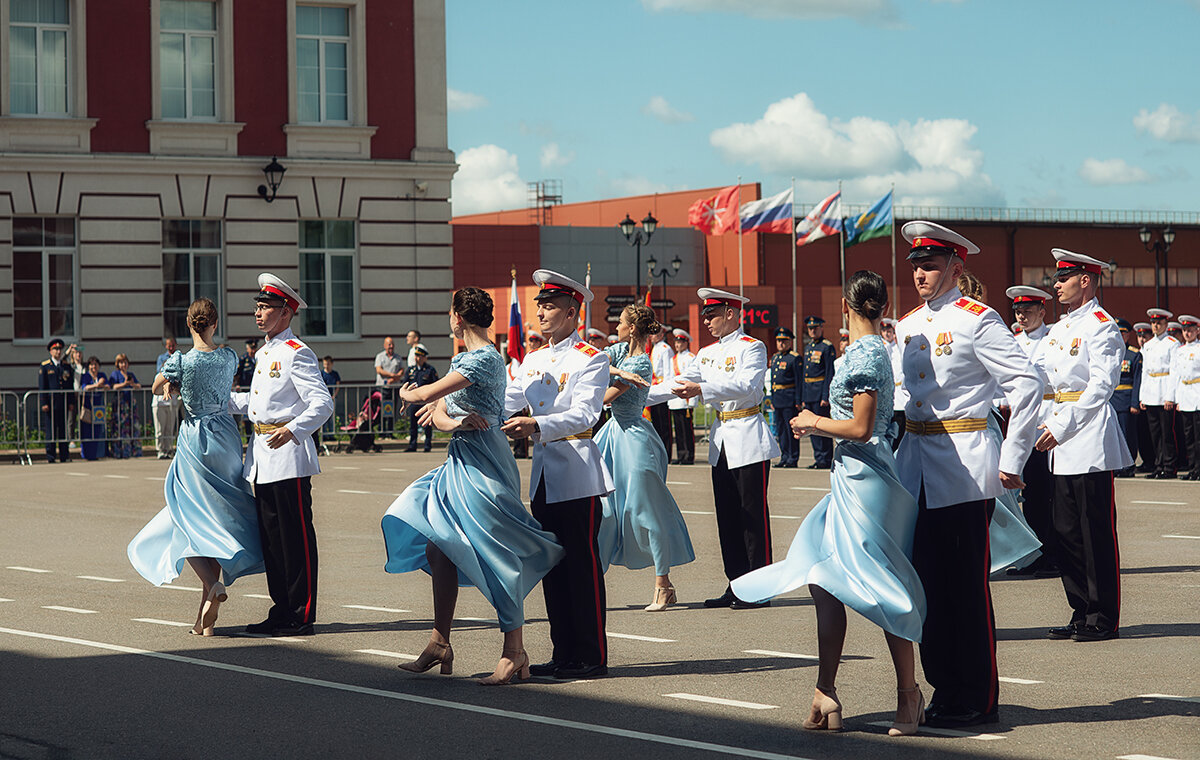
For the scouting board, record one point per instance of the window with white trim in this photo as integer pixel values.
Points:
(39, 36)
(322, 64)
(191, 269)
(43, 261)
(188, 59)
(327, 277)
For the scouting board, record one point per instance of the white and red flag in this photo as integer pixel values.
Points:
(718, 214)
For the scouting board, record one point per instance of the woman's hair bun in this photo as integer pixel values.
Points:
(475, 306)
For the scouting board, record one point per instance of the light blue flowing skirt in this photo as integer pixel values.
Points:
(470, 508)
(856, 543)
(641, 525)
(1010, 539)
(210, 508)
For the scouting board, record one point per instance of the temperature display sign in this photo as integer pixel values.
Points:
(760, 316)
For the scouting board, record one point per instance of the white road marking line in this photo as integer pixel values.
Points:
(1141, 757)
(2, 599)
(256, 596)
(944, 732)
(392, 469)
(382, 653)
(1162, 503)
(182, 588)
(809, 488)
(68, 609)
(670, 741)
(493, 621)
(1022, 681)
(694, 512)
(1177, 536)
(156, 621)
(676, 483)
(28, 569)
(790, 655)
(348, 490)
(159, 479)
(640, 638)
(99, 578)
(725, 702)
(118, 477)
(1171, 697)
(787, 517)
(369, 608)
(79, 474)
(346, 467)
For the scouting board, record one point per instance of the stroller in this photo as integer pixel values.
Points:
(363, 438)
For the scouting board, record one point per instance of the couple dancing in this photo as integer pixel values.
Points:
(213, 519)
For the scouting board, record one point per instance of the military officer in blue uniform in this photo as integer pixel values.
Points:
(817, 375)
(1125, 394)
(56, 374)
(784, 396)
(419, 373)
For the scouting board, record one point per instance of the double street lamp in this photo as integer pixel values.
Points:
(664, 273)
(634, 235)
(1159, 248)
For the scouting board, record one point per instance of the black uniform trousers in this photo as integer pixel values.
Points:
(414, 430)
(822, 445)
(1183, 452)
(289, 545)
(1162, 435)
(605, 413)
(660, 418)
(54, 427)
(958, 642)
(1190, 424)
(743, 518)
(574, 589)
(1038, 506)
(789, 445)
(898, 419)
(1145, 442)
(1085, 516)
(684, 436)
(1127, 422)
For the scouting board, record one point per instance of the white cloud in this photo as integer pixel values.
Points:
(930, 161)
(553, 157)
(488, 179)
(660, 109)
(1169, 124)
(1112, 171)
(868, 11)
(628, 184)
(457, 100)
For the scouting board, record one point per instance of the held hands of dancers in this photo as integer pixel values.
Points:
(520, 427)
(686, 389)
(804, 423)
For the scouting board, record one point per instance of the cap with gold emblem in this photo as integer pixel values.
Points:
(272, 289)
(932, 239)
(713, 299)
(1027, 294)
(554, 284)
(1070, 262)
(1157, 313)
(680, 333)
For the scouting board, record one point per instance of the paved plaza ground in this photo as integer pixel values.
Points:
(97, 663)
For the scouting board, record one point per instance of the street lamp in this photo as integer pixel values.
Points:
(1160, 248)
(664, 273)
(273, 172)
(635, 238)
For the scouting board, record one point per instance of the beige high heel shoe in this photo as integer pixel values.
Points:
(909, 728)
(520, 661)
(664, 597)
(434, 654)
(208, 616)
(826, 705)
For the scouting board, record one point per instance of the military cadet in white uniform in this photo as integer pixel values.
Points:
(683, 432)
(1029, 307)
(661, 354)
(563, 386)
(1186, 372)
(887, 329)
(730, 374)
(957, 353)
(286, 402)
(1082, 357)
(1158, 393)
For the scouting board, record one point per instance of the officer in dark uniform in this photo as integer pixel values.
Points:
(817, 375)
(421, 373)
(56, 374)
(1125, 394)
(784, 397)
(245, 373)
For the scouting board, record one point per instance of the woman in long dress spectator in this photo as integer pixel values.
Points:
(124, 424)
(464, 522)
(210, 521)
(94, 411)
(855, 547)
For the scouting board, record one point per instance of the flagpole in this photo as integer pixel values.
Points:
(842, 244)
(795, 306)
(895, 283)
(741, 277)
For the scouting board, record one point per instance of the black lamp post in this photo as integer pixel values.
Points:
(664, 273)
(634, 235)
(274, 174)
(1159, 247)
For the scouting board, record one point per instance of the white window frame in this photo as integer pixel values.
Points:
(355, 295)
(47, 251)
(353, 43)
(76, 64)
(191, 253)
(189, 35)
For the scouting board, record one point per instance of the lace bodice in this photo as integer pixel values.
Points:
(485, 395)
(628, 406)
(204, 379)
(866, 366)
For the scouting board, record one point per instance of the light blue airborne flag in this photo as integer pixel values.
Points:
(875, 222)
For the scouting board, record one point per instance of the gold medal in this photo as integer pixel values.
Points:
(1074, 352)
(937, 351)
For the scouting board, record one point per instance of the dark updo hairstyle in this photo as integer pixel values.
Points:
(202, 314)
(475, 306)
(642, 319)
(866, 294)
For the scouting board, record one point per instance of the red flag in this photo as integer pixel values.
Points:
(718, 214)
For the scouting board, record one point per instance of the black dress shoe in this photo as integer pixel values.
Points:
(813, 466)
(544, 669)
(942, 716)
(581, 670)
(1167, 476)
(265, 626)
(738, 604)
(778, 466)
(293, 629)
(1047, 571)
(1021, 572)
(724, 600)
(1063, 631)
(1094, 633)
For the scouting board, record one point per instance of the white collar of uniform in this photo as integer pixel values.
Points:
(732, 336)
(945, 299)
(563, 344)
(287, 334)
(1041, 330)
(1091, 305)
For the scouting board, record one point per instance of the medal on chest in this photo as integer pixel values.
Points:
(275, 367)
(562, 382)
(943, 344)
(1075, 346)
(730, 363)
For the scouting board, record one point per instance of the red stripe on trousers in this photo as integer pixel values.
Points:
(596, 580)
(1116, 549)
(307, 563)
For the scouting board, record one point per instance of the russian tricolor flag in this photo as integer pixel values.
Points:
(772, 214)
(516, 328)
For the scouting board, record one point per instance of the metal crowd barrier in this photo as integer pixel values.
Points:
(12, 429)
(88, 424)
(363, 413)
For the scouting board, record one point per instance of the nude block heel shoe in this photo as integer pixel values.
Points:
(828, 708)
(664, 597)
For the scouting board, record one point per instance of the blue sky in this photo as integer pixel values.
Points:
(958, 102)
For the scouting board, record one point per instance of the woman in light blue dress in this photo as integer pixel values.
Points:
(210, 520)
(855, 547)
(641, 525)
(464, 522)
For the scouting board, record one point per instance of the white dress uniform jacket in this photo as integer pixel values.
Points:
(731, 374)
(676, 367)
(563, 384)
(1082, 354)
(896, 354)
(287, 388)
(1157, 385)
(1185, 371)
(961, 384)
(660, 360)
(1029, 341)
